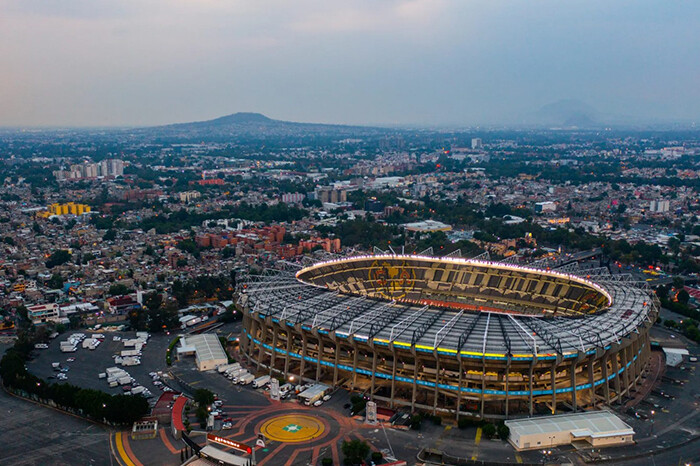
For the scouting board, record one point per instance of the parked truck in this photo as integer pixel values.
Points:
(124, 380)
(246, 379)
(226, 367)
(131, 361)
(261, 381)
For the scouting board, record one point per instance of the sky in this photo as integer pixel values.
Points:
(392, 62)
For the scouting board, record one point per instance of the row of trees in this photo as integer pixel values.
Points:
(100, 406)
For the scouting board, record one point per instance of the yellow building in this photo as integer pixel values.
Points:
(70, 208)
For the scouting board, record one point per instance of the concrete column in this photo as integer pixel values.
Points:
(459, 385)
(616, 380)
(530, 385)
(553, 383)
(302, 366)
(507, 384)
(335, 362)
(354, 365)
(289, 348)
(591, 380)
(261, 350)
(374, 370)
(273, 353)
(320, 355)
(415, 380)
(606, 374)
(482, 396)
(572, 378)
(393, 376)
(437, 380)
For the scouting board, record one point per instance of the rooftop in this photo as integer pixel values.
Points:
(591, 424)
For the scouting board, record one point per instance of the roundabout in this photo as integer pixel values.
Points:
(293, 428)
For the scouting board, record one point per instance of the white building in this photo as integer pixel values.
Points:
(597, 428)
(477, 143)
(44, 313)
(546, 206)
(659, 206)
(207, 350)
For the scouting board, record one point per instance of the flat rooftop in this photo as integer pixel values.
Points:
(592, 424)
(207, 346)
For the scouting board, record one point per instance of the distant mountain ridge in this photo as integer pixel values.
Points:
(256, 125)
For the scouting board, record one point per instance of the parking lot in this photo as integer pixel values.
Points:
(41, 436)
(88, 363)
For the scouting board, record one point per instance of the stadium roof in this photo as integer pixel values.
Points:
(450, 331)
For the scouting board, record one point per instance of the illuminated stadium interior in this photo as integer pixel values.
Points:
(460, 284)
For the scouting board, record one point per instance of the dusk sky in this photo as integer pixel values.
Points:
(429, 62)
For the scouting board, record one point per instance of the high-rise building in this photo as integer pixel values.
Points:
(659, 206)
(477, 143)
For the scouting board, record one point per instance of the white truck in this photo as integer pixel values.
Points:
(235, 377)
(138, 390)
(226, 367)
(127, 353)
(286, 388)
(124, 380)
(261, 381)
(235, 372)
(246, 379)
(68, 348)
(131, 361)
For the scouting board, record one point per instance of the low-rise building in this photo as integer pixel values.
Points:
(598, 428)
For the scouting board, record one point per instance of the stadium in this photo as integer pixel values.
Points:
(453, 336)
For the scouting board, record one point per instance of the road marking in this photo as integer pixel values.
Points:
(122, 452)
(518, 458)
(477, 440)
(166, 441)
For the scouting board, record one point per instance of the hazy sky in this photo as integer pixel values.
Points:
(143, 62)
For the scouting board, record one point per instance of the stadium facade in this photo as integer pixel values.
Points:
(452, 335)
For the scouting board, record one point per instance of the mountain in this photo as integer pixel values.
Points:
(255, 126)
(568, 113)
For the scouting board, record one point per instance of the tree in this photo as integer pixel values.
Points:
(118, 289)
(153, 301)
(55, 282)
(59, 257)
(678, 282)
(110, 235)
(355, 451)
(683, 297)
(327, 462)
(203, 397)
(489, 430)
(503, 431)
(377, 457)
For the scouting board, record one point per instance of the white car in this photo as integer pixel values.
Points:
(318, 403)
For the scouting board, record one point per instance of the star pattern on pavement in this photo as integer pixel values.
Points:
(292, 428)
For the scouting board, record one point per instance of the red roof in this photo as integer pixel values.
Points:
(178, 407)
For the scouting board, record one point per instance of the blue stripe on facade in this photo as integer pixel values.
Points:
(427, 383)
